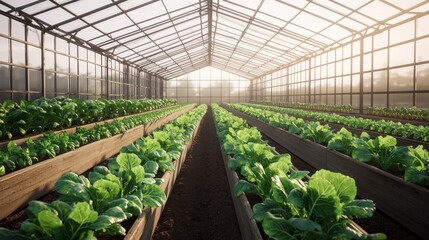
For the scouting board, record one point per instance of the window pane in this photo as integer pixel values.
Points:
(4, 49)
(422, 50)
(356, 83)
(379, 100)
(367, 82)
(380, 81)
(18, 30)
(49, 61)
(422, 26)
(34, 57)
(4, 22)
(4, 77)
(62, 83)
(401, 79)
(401, 99)
(34, 36)
(402, 54)
(35, 78)
(18, 78)
(380, 59)
(422, 100)
(402, 33)
(422, 77)
(18, 52)
(380, 40)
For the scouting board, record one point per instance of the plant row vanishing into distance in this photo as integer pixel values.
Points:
(383, 151)
(16, 157)
(44, 114)
(97, 205)
(291, 208)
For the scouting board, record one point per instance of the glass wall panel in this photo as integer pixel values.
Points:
(379, 81)
(402, 54)
(401, 99)
(422, 77)
(401, 79)
(4, 49)
(422, 50)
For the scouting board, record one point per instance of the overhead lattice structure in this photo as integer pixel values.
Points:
(247, 37)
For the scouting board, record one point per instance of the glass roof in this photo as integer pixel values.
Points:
(249, 38)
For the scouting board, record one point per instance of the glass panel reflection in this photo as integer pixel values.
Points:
(401, 79)
(401, 99)
(422, 77)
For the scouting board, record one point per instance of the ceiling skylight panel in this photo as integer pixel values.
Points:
(279, 10)
(242, 6)
(55, 16)
(86, 5)
(322, 39)
(129, 30)
(350, 23)
(175, 4)
(378, 10)
(323, 12)
(145, 13)
(113, 24)
(100, 40)
(353, 4)
(363, 19)
(88, 33)
(332, 5)
(310, 22)
(69, 27)
(405, 4)
(401, 18)
(335, 32)
(37, 7)
(103, 14)
(269, 19)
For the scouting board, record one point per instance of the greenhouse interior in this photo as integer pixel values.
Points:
(216, 119)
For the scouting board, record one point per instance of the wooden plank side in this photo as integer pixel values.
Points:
(144, 226)
(403, 201)
(20, 187)
(73, 129)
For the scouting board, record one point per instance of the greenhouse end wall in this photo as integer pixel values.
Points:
(387, 68)
(34, 64)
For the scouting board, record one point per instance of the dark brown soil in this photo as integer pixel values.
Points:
(200, 205)
(379, 223)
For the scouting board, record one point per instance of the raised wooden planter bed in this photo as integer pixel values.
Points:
(145, 224)
(20, 187)
(312, 153)
(404, 202)
(20, 141)
(248, 228)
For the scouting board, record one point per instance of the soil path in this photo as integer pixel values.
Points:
(200, 205)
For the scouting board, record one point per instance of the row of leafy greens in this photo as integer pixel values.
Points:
(291, 207)
(312, 106)
(44, 114)
(97, 205)
(16, 157)
(394, 128)
(411, 113)
(382, 151)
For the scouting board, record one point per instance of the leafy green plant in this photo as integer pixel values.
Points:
(316, 132)
(418, 172)
(318, 210)
(291, 208)
(60, 220)
(383, 151)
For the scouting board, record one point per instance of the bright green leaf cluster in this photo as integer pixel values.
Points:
(291, 208)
